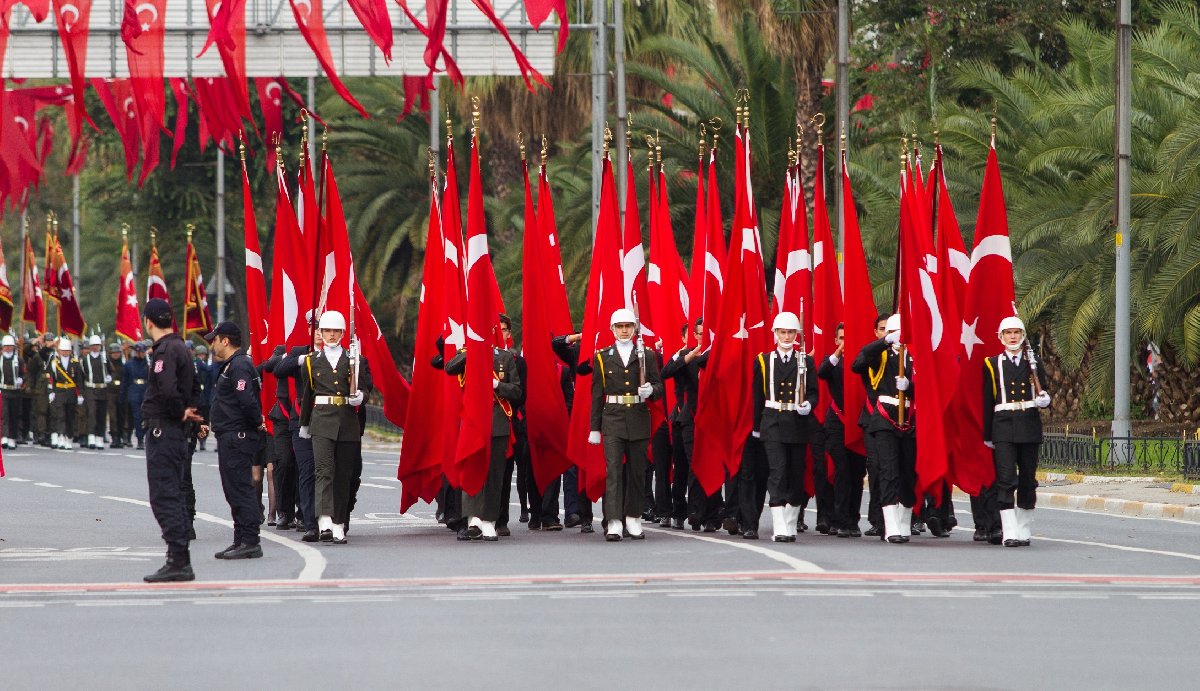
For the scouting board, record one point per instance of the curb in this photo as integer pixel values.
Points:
(1125, 507)
(1079, 479)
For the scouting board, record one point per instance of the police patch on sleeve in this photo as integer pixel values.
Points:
(241, 385)
(158, 367)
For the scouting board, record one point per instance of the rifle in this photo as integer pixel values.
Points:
(1033, 369)
(801, 362)
(900, 394)
(637, 338)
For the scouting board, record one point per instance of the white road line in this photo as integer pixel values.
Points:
(47, 484)
(17, 479)
(368, 484)
(134, 455)
(1123, 548)
(79, 491)
(796, 564)
(137, 502)
(385, 479)
(314, 561)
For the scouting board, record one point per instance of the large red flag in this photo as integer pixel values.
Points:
(118, 100)
(633, 261)
(156, 282)
(257, 322)
(388, 382)
(668, 281)
(473, 452)
(142, 30)
(129, 317)
(72, 20)
(291, 271)
(545, 406)
(70, 316)
(227, 21)
(714, 253)
(195, 300)
(335, 268)
(557, 308)
(6, 298)
(698, 274)
(270, 92)
(454, 328)
(860, 313)
(827, 287)
(793, 262)
(33, 306)
(311, 22)
(990, 298)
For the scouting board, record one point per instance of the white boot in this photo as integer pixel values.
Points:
(905, 514)
(613, 532)
(1009, 524)
(891, 521)
(4, 442)
(339, 532)
(779, 521)
(1024, 526)
(99, 443)
(54, 443)
(489, 530)
(474, 522)
(324, 523)
(792, 517)
(634, 525)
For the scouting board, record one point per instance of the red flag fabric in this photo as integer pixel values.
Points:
(395, 391)
(72, 20)
(118, 100)
(472, 455)
(179, 88)
(70, 316)
(420, 467)
(454, 328)
(257, 323)
(527, 70)
(827, 288)
(539, 10)
(860, 310)
(373, 15)
(156, 282)
(227, 19)
(335, 269)
(6, 298)
(50, 277)
(545, 406)
(633, 262)
(311, 22)
(714, 254)
(195, 306)
(793, 262)
(416, 94)
(668, 284)
(724, 418)
(142, 30)
(434, 30)
(291, 274)
(129, 317)
(33, 306)
(990, 298)
(270, 100)
(217, 101)
(698, 274)
(557, 308)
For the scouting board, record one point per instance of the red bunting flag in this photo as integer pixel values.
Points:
(142, 30)
(118, 100)
(270, 100)
(129, 317)
(179, 88)
(311, 22)
(227, 19)
(539, 10)
(72, 20)
(6, 297)
(373, 15)
(33, 306)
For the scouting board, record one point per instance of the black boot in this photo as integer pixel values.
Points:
(177, 568)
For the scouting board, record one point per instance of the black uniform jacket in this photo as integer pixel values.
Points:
(1010, 386)
(879, 366)
(508, 392)
(237, 400)
(786, 426)
(686, 376)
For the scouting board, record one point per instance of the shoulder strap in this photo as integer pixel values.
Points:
(992, 373)
(600, 359)
(877, 375)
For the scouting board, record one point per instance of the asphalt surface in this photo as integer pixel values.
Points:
(1098, 601)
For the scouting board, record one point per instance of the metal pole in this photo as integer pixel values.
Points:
(435, 125)
(312, 122)
(75, 228)
(599, 103)
(1120, 423)
(220, 272)
(842, 77)
(622, 110)
(24, 297)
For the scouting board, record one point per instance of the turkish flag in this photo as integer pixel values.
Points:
(434, 30)
(72, 20)
(697, 276)
(216, 99)
(990, 298)
(156, 283)
(19, 145)
(70, 316)
(270, 100)
(118, 100)
(257, 323)
(545, 406)
(473, 453)
(724, 418)
(6, 298)
(860, 311)
(142, 30)
(33, 306)
(557, 308)
(198, 318)
(633, 262)
(668, 284)
(793, 262)
(604, 296)
(455, 302)
(227, 22)
(291, 274)
(527, 70)
(539, 10)
(129, 317)
(395, 391)
(335, 268)
(311, 22)
(827, 288)
(714, 254)
(373, 15)
(179, 88)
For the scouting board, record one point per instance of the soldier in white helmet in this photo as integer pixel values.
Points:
(12, 378)
(97, 376)
(1012, 428)
(66, 376)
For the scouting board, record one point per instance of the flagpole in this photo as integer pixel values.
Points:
(187, 277)
(24, 261)
(316, 274)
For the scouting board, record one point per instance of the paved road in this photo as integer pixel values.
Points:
(1099, 601)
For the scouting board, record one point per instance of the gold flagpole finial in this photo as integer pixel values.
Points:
(843, 141)
(125, 232)
(658, 148)
(936, 138)
(279, 150)
(993, 129)
(432, 163)
(521, 144)
(325, 138)
(191, 228)
(153, 236)
(818, 120)
(608, 135)
(242, 150)
(545, 153)
(475, 116)
(702, 142)
(715, 123)
(629, 134)
(449, 127)
(649, 153)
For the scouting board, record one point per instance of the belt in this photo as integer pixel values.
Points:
(1019, 405)
(150, 422)
(330, 400)
(139, 381)
(624, 400)
(892, 400)
(90, 385)
(776, 405)
(64, 386)
(116, 382)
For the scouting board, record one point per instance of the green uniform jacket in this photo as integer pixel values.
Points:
(504, 366)
(337, 422)
(611, 377)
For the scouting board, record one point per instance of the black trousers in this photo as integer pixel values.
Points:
(506, 483)
(305, 478)
(984, 511)
(942, 511)
(750, 485)
(1016, 468)
(823, 487)
(485, 505)
(235, 456)
(95, 402)
(575, 500)
(896, 461)
(333, 467)
(785, 473)
(702, 508)
(849, 470)
(625, 481)
(356, 470)
(286, 477)
(166, 460)
(12, 414)
(118, 421)
(658, 474)
(670, 485)
(449, 502)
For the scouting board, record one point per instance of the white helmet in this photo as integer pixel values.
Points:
(95, 341)
(8, 341)
(786, 320)
(893, 323)
(64, 343)
(622, 316)
(332, 320)
(1010, 323)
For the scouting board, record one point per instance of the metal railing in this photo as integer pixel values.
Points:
(1134, 454)
(376, 421)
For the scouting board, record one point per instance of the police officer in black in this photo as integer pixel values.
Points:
(236, 417)
(166, 408)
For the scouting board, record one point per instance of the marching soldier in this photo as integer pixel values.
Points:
(624, 379)
(1012, 428)
(784, 397)
(12, 379)
(289, 367)
(133, 388)
(97, 377)
(118, 418)
(483, 509)
(892, 439)
(39, 385)
(850, 468)
(576, 505)
(65, 394)
(286, 475)
(671, 494)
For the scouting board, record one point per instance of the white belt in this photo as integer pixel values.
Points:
(91, 385)
(1019, 405)
(7, 387)
(330, 400)
(776, 405)
(625, 400)
(891, 400)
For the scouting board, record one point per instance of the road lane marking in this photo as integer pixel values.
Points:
(47, 484)
(368, 484)
(17, 479)
(79, 491)
(385, 479)
(795, 563)
(1123, 548)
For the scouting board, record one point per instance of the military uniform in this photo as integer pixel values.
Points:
(577, 506)
(622, 418)
(672, 494)
(785, 394)
(97, 377)
(288, 368)
(118, 405)
(1013, 424)
(133, 389)
(849, 467)
(281, 414)
(12, 381)
(66, 376)
(38, 385)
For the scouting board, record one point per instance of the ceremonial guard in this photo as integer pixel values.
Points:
(133, 388)
(39, 385)
(288, 367)
(576, 505)
(328, 417)
(118, 414)
(167, 406)
(671, 485)
(286, 477)
(12, 379)
(97, 377)
(65, 394)
(624, 379)
(236, 418)
(785, 395)
(1012, 428)
(885, 368)
(482, 510)
(850, 468)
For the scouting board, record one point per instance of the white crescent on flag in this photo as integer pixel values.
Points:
(931, 301)
(991, 246)
(147, 7)
(477, 248)
(278, 90)
(70, 9)
(307, 8)
(291, 307)
(960, 262)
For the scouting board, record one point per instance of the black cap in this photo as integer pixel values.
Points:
(226, 328)
(157, 310)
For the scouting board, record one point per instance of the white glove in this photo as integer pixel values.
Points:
(893, 337)
(804, 408)
(495, 383)
(20, 381)
(902, 383)
(51, 396)
(755, 434)
(989, 444)
(834, 360)
(107, 379)
(79, 400)
(645, 391)
(304, 433)
(357, 398)
(1042, 399)
(594, 438)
